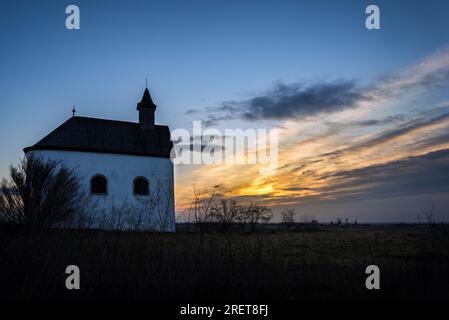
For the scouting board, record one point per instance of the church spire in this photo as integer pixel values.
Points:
(146, 101)
(146, 108)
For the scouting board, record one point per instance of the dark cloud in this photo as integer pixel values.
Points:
(438, 79)
(289, 101)
(213, 119)
(434, 79)
(336, 127)
(192, 111)
(297, 189)
(228, 106)
(377, 122)
(433, 140)
(286, 101)
(392, 134)
(408, 127)
(424, 174)
(225, 107)
(213, 142)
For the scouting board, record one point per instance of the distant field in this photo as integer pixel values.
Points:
(320, 262)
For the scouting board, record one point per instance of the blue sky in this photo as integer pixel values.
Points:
(196, 54)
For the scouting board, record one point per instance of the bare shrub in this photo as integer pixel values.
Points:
(226, 213)
(429, 217)
(40, 193)
(208, 211)
(288, 217)
(254, 214)
(309, 219)
(150, 213)
(159, 207)
(82, 218)
(200, 211)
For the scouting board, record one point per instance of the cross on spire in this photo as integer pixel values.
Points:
(73, 111)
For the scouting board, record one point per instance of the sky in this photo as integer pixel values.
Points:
(362, 115)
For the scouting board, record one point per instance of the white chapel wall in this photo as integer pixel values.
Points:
(120, 171)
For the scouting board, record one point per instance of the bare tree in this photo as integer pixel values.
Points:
(288, 217)
(160, 208)
(226, 213)
(305, 218)
(253, 214)
(152, 212)
(200, 210)
(40, 193)
(309, 219)
(430, 216)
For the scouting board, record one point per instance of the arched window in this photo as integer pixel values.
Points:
(98, 185)
(141, 186)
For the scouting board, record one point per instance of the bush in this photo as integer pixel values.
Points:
(207, 211)
(226, 213)
(253, 214)
(40, 193)
(288, 217)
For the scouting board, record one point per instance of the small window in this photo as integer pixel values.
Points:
(141, 186)
(98, 185)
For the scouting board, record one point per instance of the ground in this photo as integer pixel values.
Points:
(312, 263)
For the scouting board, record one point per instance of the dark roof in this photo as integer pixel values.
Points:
(107, 136)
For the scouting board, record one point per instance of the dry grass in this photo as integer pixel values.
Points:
(326, 263)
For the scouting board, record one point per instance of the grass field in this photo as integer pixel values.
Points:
(325, 262)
